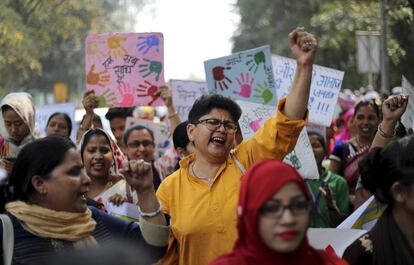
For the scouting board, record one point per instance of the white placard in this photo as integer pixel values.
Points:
(407, 118)
(325, 87)
(43, 113)
(125, 211)
(160, 131)
(184, 93)
(351, 220)
(338, 239)
(253, 116)
(302, 157)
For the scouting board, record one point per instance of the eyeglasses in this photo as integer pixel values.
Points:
(136, 144)
(214, 124)
(275, 209)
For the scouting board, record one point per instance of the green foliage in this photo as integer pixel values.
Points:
(42, 42)
(335, 23)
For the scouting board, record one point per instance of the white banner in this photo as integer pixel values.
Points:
(407, 118)
(302, 157)
(325, 87)
(184, 93)
(43, 113)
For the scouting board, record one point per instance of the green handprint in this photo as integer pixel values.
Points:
(151, 67)
(257, 59)
(294, 160)
(106, 99)
(264, 92)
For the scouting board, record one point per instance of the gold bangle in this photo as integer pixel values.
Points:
(384, 134)
(173, 115)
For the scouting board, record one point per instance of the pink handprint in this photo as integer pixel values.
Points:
(245, 85)
(127, 95)
(255, 125)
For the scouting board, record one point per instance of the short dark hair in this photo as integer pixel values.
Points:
(206, 103)
(122, 113)
(66, 117)
(180, 137)
(87, 136)
(137, 128)
(5, 108)
(321, 139)
(364, 103)
(37, 158)
(382, 167)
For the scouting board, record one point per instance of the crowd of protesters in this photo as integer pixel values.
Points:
(213, 198)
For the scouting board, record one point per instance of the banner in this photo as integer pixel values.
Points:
(407, 118)
(302, 157)
(43, 113)
(338, 239)
(160, 131)
(125, 69)
(247, 76)
(325, 87)
(184, 93)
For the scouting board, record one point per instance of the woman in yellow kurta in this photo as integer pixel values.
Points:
(201, 197)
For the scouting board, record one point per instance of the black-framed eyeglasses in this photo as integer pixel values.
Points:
(214, 124)
(275, 209)
(136, 144)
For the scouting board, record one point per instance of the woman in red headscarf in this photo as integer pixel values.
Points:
(268, 233)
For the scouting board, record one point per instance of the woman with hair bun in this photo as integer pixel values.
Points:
(389, 174)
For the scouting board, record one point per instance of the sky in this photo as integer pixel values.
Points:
(194, 31)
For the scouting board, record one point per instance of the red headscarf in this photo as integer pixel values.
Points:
(259, 184)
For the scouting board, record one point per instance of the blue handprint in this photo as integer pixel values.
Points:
(151, 67)
(147, 43)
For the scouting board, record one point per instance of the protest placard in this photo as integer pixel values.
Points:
(325, 87)
(253, 116)
(184, 93)
(246, 75)
(338, 239)
(407, 118)
(160, 131)
(43, 113)
(126, 211)
(125, 69)
(302, 157)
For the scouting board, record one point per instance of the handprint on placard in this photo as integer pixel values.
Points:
(256, 60)
(147, 43)
(149, 90)
(245, 85)
(255, 124)
(115, 47)
(151, 67)
(293, 160)
(97, 78)
(92, 50)
(106, 99)
(219, 77)
(127, 94)
(264, 92)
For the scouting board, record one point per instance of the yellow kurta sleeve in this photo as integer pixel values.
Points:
(276, 138)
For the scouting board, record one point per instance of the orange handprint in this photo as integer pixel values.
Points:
(92, 49)
(114, 45)
(97, 78)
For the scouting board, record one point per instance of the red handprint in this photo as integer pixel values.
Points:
(127, 95)
(220, 78)
(245, 85)
(149, 90)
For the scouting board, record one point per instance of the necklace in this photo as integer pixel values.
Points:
(208, 180)
(360, 146)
